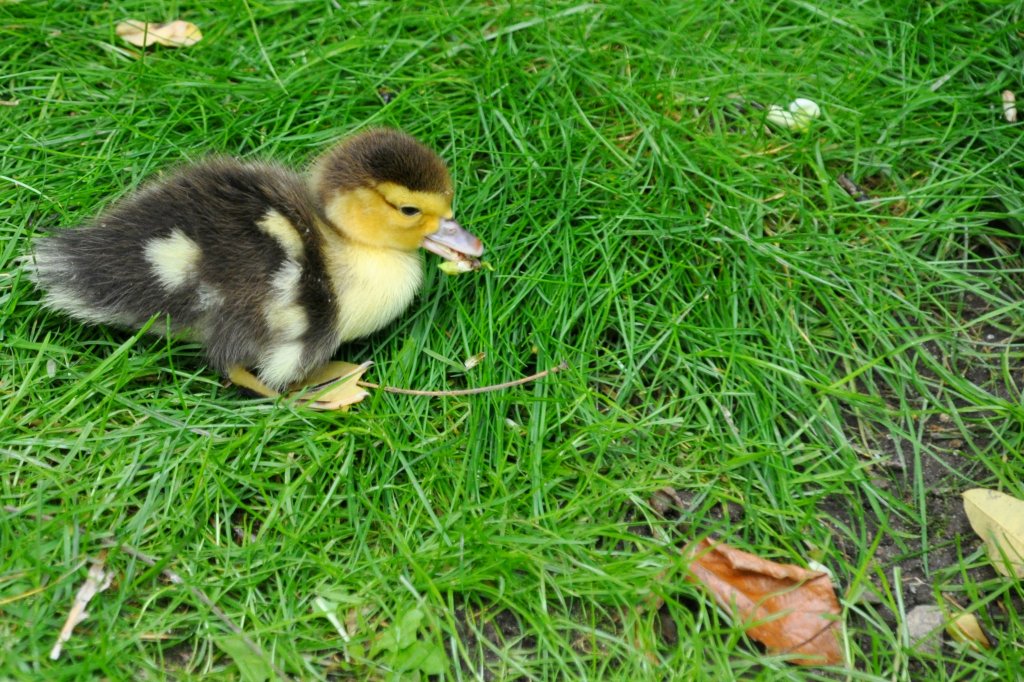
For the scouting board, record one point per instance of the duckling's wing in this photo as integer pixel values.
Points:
(221, 248)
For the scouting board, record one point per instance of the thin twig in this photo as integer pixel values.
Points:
(467, 391)
(852, 188)
(740, 104)
(177, 580)
(11, 509)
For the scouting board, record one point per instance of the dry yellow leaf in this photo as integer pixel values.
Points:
(998, 519)
(966, 628)
(171, 34)
(336, 386)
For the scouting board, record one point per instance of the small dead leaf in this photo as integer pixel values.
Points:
(666, 501)
(336, 386)
(171, 34)
(789, 609)
(966, 628)
(354, 617)
(1009, 106)
(474, 360)
(998, 519)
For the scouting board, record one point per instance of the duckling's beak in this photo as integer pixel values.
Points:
(453, 242)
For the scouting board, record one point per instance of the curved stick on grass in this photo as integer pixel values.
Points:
(467, 391)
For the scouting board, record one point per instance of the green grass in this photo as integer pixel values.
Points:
(819, 378)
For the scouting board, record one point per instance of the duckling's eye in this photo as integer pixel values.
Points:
(409, 210)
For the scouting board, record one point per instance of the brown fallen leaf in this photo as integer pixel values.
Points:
(170, 34)
(789, 609)
(998, 519)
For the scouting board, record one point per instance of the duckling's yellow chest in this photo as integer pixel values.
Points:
(372, 287)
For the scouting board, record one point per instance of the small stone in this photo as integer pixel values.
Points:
(797, 117)
(924, 625)
(870, 594)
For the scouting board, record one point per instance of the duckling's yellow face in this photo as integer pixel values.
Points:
(388, 216)
(384, 189)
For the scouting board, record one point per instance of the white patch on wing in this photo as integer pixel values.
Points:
(284, 232)
(286, 279)
(174, 259)
(290, 321)
(281, 364)
(285, 317)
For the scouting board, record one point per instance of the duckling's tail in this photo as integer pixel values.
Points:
(75, 282)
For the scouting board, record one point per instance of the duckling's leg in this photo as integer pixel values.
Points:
(242, 377)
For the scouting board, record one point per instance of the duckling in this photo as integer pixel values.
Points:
(268, 270)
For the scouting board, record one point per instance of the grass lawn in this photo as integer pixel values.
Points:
(817, 378)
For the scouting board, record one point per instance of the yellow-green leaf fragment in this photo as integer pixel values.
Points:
(458, 267)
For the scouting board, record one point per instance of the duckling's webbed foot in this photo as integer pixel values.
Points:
(249, 383)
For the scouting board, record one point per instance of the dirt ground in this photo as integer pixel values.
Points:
(918, 559)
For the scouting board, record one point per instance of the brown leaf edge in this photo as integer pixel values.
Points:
(789, 609)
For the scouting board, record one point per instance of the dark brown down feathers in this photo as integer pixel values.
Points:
(358, 163)
(100, 273)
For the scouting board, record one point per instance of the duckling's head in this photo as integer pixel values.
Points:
(383, 188)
